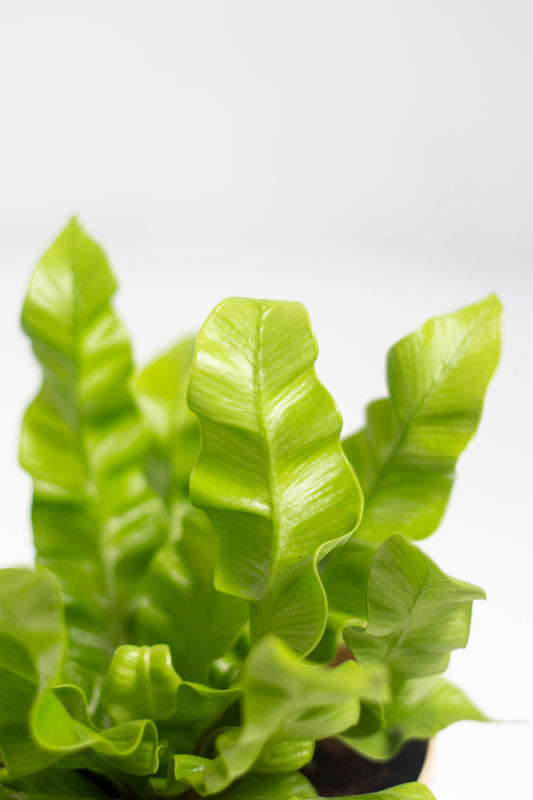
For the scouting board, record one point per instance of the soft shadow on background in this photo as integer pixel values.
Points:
(372, 160)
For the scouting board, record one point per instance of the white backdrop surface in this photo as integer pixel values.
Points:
(372, 160)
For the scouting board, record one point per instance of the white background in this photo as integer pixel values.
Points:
(372, 159)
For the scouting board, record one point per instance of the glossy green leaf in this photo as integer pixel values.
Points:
(419, 709)
(141, 682)
(96, 521)
(180, 605)
(416, 614)
(41, 725)
(283, 700)
(161, 392)
(271, 473)
(405, 457)
(284, 786)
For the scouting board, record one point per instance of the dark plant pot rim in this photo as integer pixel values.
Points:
(336, 770)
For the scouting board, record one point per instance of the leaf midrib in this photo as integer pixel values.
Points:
(114, 634)
(270, 478)
(110, 588)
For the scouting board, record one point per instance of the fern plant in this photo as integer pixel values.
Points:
(204, 552)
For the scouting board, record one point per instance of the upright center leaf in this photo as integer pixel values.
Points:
(271, 473)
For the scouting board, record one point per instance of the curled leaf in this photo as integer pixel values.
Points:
(416, 614)
(141, 683)
(42, 724)
(283, 700)
(32, 648)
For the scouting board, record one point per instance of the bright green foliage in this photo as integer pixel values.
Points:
(405, 457)
(95, 520)
(345, 578)
(283, 701)
(32, 647)
(200, 711)
(181, 606)
(40, 725)
(141, 682)
(271, 474)
(161, 391)
(162, 650)
(416, 614)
